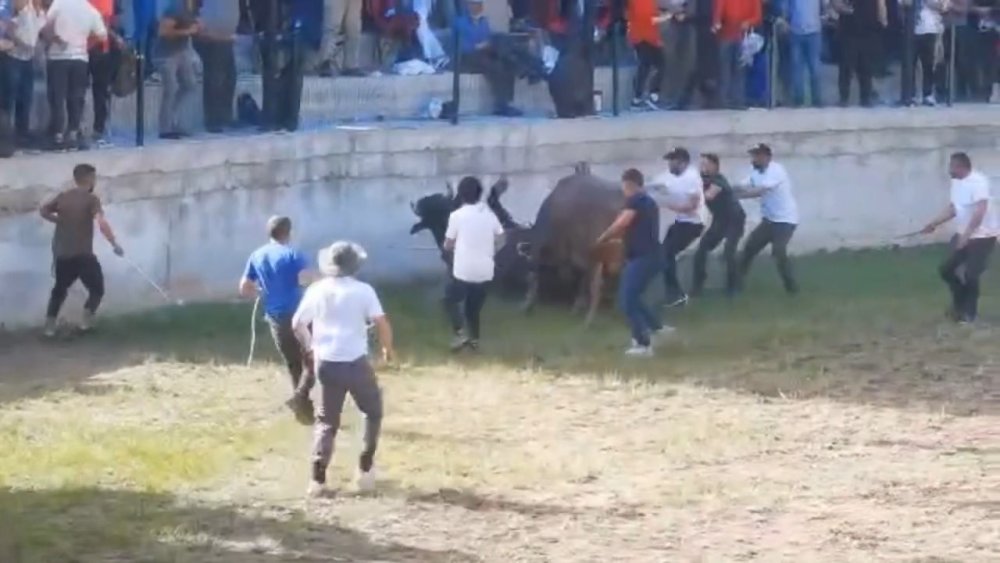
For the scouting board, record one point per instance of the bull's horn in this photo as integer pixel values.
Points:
(413, 207)
(450, 190)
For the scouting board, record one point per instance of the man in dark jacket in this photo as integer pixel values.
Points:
(284, 29)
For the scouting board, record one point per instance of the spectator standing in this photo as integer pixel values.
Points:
(474, 234)
(704, 75)
(17, 65)
(215, 45)
(678, 36)
(644, 35)
(69, 27)
(860, 22)
(803, 20)
(984, 18)
(144, 34)
(282, 61)
(480, 57)
(104, 55)
(732, 21)
(178, 63)
(341, 37)
(928, 30)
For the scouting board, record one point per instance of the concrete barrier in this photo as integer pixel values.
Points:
(188, 213)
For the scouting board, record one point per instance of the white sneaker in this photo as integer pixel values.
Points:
(995, 95)
(930, 101)
(87, 323)
(316, 490)
(51, 328)
(639, 351)
(366, 480)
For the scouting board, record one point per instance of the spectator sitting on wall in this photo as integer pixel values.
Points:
(341, 46)
(178, 63)
(480, 57)
(396, 29)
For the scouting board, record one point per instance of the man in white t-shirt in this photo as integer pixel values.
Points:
(679, 190)
(17, 60)
(474, 234)
(769, 182)
(338, 309)
(69, 28)
(976, 230)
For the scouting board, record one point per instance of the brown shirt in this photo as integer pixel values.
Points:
(75, 211)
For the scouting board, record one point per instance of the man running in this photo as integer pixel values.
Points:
(728, 223)
(276, 273)
(681, 192)
(339, 309)
(639, 225)
(976, 229)
(769, 182)
(74, 213)
(474, 234)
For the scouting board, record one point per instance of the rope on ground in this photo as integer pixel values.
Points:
(253, 330)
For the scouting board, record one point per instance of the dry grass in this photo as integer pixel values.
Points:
(850, 427)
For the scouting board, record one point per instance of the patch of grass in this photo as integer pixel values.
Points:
(846, 424)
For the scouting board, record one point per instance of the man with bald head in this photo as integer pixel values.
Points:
(275, 273)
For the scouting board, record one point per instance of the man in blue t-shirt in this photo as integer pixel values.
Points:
(479, 56)
(639, 225)
(275, 273)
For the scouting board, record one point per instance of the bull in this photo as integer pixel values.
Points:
(561, 243)
(432, 212)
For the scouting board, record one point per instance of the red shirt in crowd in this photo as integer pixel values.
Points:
(641, 27)
(107, 10)
(733, 16)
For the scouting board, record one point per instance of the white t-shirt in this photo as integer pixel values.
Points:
(777, 205)
(474, 229)
(929, 22)
(965, 194)
(27, 25)
(75, 21)
(339, 310)
(678, 189)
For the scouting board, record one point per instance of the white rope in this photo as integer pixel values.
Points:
(253, 330)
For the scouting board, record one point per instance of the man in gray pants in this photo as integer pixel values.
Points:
(178, 63)
(338, 309)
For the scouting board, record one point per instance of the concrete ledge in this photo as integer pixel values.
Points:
(188, 212)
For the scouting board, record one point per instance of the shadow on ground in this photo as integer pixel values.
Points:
(867, 328)
(90, 524)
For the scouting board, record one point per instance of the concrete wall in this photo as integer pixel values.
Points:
(188, 213)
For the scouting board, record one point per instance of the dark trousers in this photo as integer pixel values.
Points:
(291, 352)
(704, 76)
(729, 230)
(18, 91)
(218, 83)
(649, 75)
(732, 75)
(857, 54)
(497, 72)
(103, 65)
(778, 235)
(924, 56)
(464, 303)
(973, 259)
(635, 278)
(336, 380)
(281, 70)
(680, 235)
(67, 92)
(85, 268)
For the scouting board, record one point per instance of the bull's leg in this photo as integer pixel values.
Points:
(596, 285)
(581, 293)
(531, 297)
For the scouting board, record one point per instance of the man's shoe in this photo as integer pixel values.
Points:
(317, 490)
(678, 301)
(87, 324)
(366, 480)
(459, 342)
(51, 329)
(639, 351)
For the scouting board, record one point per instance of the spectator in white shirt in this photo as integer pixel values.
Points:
(680, 191)
(70, 26)
(769, 182)
(17, 64)
(339, 309)
(474, 234)
(976, 230)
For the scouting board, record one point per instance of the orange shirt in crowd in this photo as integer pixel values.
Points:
(730, 15)
(107, 11)
(641, 28)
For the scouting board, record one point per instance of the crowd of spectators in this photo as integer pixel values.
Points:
(690, 53)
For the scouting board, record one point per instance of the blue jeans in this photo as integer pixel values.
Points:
(18, 91)
(635, 278)
(806, 59)
(732, 76)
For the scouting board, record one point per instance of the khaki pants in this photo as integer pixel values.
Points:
(342, 28)
(336, 381)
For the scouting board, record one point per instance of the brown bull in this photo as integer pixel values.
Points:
(570, 220)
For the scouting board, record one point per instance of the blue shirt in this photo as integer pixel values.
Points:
(803, 16)
(472, 32)
(275, 269)
(642, 238)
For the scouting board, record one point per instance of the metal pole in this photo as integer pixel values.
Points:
(617, 17)
(908, 85)
(951, 65)
(456, 62)
(589, 11)
(140, 93)
(772, 66)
